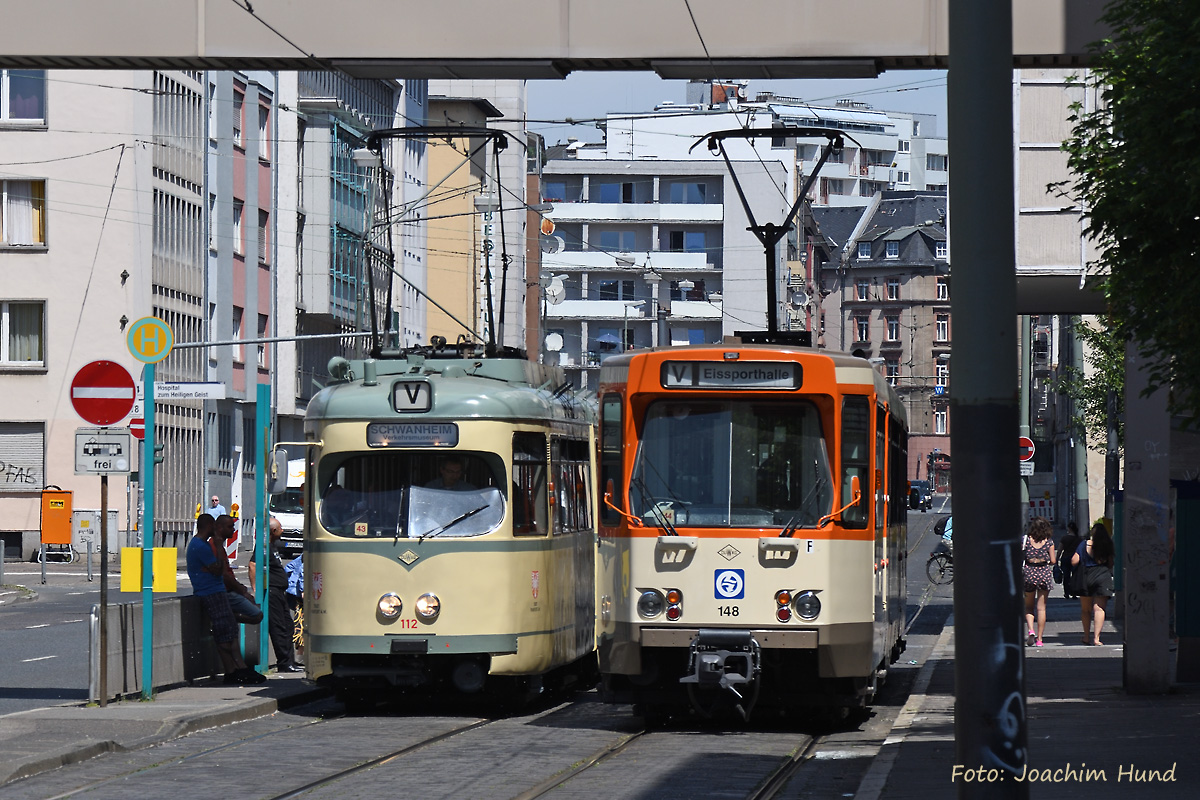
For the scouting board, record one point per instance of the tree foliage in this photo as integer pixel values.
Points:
(1092, 388)
(1135, 163)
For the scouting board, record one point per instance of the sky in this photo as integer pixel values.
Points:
(586, 96)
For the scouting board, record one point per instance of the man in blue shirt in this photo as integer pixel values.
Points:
(216, 509)
(205, 572)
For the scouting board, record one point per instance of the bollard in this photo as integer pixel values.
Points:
(89, 557)
(1, 563)
(42, 558)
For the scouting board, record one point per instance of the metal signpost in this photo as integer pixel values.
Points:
(149, 340)
(102, 392)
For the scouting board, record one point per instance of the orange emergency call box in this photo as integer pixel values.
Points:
(56, 516)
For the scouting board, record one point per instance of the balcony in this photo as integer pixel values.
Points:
(638, 212)
(598, 260)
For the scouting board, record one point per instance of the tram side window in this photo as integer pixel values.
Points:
(856, 453)
(568, 464)
(610, 456)
(529, 500)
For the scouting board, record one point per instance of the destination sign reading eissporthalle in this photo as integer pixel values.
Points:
(731, 375)
(412, 434)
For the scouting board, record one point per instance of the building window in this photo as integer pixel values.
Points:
(893, 250)
(942, 328)
(904, 146)
(692, 193)
(862, 326)
(263, 322)
(893, 288)
(862, 288)
(832, 186)
(940, 251)
(237, 334)
(893, 370)
(902, 176)
(614, 290)
(617, 241)
(212, 112)
(916, 128)
(22, 95)
(893, 327)
(942, 371)
(238, 243)
(264, 132)
(615, 192)
(264, 222)
(939, 421)
(936, 161)
(239, 100)
(23, 213)
(864, 249)
(936, 187)
(22, 333)
(943, 288)
(554, 191)
(212, 222)
(686, 241)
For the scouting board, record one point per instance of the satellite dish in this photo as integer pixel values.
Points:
(554, 342)
(553, 244)
(555, 294)
(799, 298)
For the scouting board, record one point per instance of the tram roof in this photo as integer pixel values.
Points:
(481, 388)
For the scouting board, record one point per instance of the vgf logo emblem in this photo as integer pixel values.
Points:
(150, 340)
(729, 584)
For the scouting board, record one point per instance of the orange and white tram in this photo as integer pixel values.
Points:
(752, 528)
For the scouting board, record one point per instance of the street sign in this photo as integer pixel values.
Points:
(101, 451)
(1026, 445)
(137, 427)
(102, 392)
(213, 390)
(1026, 468)
(150, 340)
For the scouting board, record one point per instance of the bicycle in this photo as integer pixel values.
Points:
(940, 566)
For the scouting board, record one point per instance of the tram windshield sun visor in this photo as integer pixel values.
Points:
(732, 464)
(401, 494)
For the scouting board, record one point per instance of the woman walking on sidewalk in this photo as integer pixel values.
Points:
(1095, 557)
(1037, 560)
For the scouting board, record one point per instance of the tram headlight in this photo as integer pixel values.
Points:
(428, 606)
(807, 605)
(390, 605)
(650, 604)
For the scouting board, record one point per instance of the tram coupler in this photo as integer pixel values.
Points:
(723, 658)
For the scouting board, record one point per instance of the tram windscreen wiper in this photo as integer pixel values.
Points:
(443, 528)
(658, 513)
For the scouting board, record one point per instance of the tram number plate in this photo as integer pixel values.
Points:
(727, 611)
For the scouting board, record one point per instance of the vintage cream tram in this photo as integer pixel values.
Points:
(450, 529)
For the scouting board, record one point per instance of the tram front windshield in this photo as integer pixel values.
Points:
(411, 494)
(732, 464)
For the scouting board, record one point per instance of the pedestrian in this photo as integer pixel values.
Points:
(215, 510)
(280, 616)
(204, 572)
(1094, 556)
(1037, 559)
(451, 476)
(1066, 550)
(241, 599)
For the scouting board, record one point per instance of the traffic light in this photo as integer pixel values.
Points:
(158, 453)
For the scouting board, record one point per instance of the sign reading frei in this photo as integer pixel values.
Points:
(104, 451)
(102, 392)
(150, 340)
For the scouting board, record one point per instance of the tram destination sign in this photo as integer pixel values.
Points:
(412, 434)
(754, 375)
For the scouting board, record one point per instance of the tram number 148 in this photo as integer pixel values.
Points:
(727, 611)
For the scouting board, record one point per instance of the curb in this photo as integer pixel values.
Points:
(171, 728)
(875, 780)
(23, 594)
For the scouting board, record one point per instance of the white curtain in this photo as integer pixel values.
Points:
(24, 331)
(18, 213)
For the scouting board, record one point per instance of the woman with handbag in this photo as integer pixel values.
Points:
(1094, 559)
(1037, 559)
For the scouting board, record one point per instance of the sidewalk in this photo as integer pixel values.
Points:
(1078, 714)
(45, 738)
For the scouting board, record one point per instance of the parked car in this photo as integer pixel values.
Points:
(920, 495)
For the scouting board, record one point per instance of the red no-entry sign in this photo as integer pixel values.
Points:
(102, 392)
(1026, 448)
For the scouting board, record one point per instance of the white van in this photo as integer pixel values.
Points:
(288, 508)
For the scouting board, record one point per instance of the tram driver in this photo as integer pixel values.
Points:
(451, 476)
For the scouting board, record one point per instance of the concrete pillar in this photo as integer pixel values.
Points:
(1145, 531)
